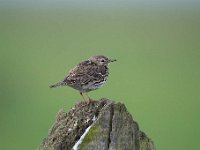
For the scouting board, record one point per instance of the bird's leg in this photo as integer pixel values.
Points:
(89, 99)
(85, 100)
(82, 96)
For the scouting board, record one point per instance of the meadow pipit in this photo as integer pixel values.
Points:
(88, 75)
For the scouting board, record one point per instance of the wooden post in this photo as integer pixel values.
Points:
(99, 125)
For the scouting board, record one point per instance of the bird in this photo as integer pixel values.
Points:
(88, 75)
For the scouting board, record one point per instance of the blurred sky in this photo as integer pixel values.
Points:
(102, 3)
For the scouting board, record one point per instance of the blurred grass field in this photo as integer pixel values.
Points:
(157, 74)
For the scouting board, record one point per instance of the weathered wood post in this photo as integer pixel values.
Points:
(99, 125)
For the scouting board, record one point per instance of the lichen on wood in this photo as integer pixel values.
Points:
(112, 129)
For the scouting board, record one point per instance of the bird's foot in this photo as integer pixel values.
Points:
(86, 103)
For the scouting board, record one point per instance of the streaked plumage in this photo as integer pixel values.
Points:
(88, 75)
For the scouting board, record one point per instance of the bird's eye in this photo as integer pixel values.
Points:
(102, 60)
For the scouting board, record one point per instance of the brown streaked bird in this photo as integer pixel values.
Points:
(88, 75)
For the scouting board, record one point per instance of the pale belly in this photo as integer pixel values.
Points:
(91, 87)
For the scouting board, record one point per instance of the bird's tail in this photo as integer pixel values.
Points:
(57, 84)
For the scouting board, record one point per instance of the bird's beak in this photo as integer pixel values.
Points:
(112, 60)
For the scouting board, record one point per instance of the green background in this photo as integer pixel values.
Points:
(157, 75)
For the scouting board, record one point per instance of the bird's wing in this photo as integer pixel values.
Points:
(84, 73)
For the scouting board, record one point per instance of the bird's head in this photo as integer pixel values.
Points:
(101, 60)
